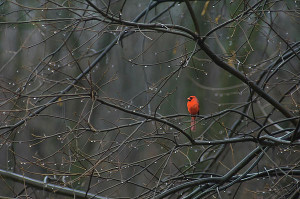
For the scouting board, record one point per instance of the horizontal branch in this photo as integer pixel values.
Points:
(53, 188)
(264, 140)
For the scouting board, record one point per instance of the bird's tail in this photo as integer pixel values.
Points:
(193, 124)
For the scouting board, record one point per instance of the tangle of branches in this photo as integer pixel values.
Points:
(93, 99)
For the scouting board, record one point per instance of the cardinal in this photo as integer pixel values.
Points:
(193, 108)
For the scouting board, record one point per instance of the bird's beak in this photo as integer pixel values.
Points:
(188, 99)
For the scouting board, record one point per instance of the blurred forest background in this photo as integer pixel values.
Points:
(93, 98)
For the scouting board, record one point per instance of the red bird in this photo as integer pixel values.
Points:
(193, 108)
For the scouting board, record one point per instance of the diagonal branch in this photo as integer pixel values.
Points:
(247, 81)
(80, 76)
(192, 13)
